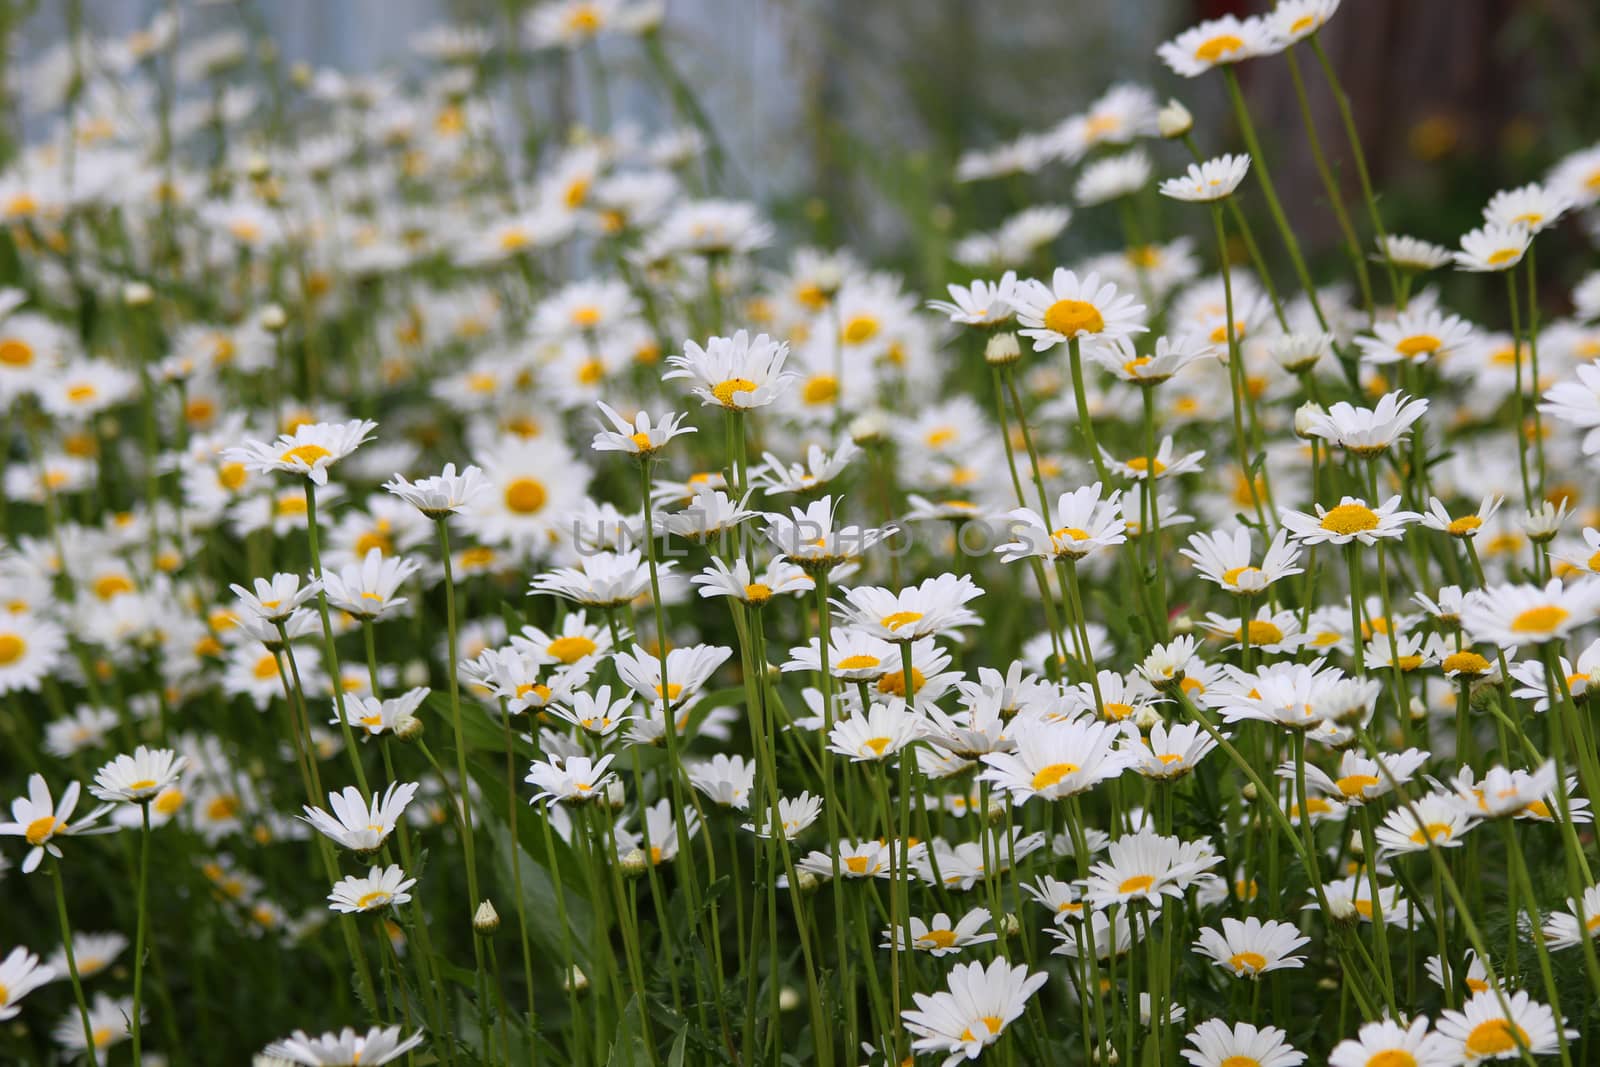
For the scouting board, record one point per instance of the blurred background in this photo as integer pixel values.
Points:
(845, 117)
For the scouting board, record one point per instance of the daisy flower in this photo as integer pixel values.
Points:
(1138, 468)
(356, 824)
(1360, 779)
(441, 494)
(140, 777)
(1214, 179)
(1085, 523)
(366, 590)
(1512, 615)
(1493, 248)
(876, 734)
(275, 599)
(1483, 1030)
(1433, 821)
(380, 887)
(1566, 929)
(1216, 1044)
(21, 973)
(857, 859)
(377, 717)
(724, 780)
(1070, 308)
(941, 936)
(983, 303)
(737, 373)
(1350, 521)
(1415, 336)
(1214, 43)
(1368, 432)
(1225, 559)
(1170, 356)
(935, 606)
(1268, 631)
(574, 780)
(1251, 948)
(1147, 866)
(594, 713)
(1534, 206)
(1578, 404)
(1388, 1042)
(1113, 177)
(1467, 526)
(1412, 254)
(602, 580)
(778, 578)
(376, 1046)
(1168, 752)
(108, 1024)
(39, 822)
(310, 450)
(636, 436)
(794, 815)
(1055, 760)
(978, 1004)
(808, 537)
(1295, 20)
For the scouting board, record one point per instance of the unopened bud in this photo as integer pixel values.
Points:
(486, 920)
(1249, 792)
(1174, 120)
(615, 797)
(1327, 985)
(408, 729)
(1419, 710)
(869, 428)
(1008, 926)
(805, 881)
(788, 998)
(1356, 847)
(1305, 417)
(1146, 718)
(1109, 1056)
(273, 318)
(1002, 350)
(137, 294)
(1342, 912)
(300, 75)
(995, 814)
(257, 167)
(575, 980)
(634, 863)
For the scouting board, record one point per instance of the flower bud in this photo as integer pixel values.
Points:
(1008, 926)
(1342, 912)
(869, 428)
(634, 863)
(996, 813)
(1305, 417)
(137, 294)
(273, 318)
(408, 729)
(616, 798)
(1249, 792)
(1174, 120)
(805, 881)
(575, 980)
(485, 920)
(1002, 350)
(1146, 718)
(788, 998)
(257, 167)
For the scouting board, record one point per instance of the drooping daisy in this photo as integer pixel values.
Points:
(1070, 308)
(637, 436)
(310, 450)
(1483, 1030)
(358, 825)
(1351, 520)
(441, 494)
(40, 822)
(1251, 948)
(968, 1016)
(1214, 179)
(724, 780)
(602, 580)
(345, 1048)
(107, 1025)
(794, 815)
(809, 537)
(1412, 254)
(982, 303)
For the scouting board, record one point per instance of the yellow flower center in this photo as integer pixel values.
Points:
(1464, 526)
(820, 389)
(900, 618)
(894, 683)
(1503, 255)
(39, 830)
(591, 371)
(526, 496)
(1418, 344)
(1254, 962)
(1051, 775)
(1494, 1036)
(1540, 620)
(931, 939)
(1134, 366)
(1212, 51)
(939, 436)
(585, 18)
(1139, 883)
(12, 647)
(1116, 711)
(1070, 531)
(375, 898)
(15, 352)
(724, 391)
(1240, 1061)
(1434, 831)
(877, 744)
(169, 801)
(1355, 785)
(479, 556)
(1261, 632)
(307, 454)
(266, 667)
(570, 649)
(855, 864)
(586, 316)
(1072, 317)
(1300, 25)
(860, 329)
(142, 784)
(374, 539)
(757, 593)
(1232, 575)
(859, 662)
(223, 807)
(81, 392)
(1348, 519)
(1142, 463)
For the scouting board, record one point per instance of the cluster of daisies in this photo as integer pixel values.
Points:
(507, 609)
